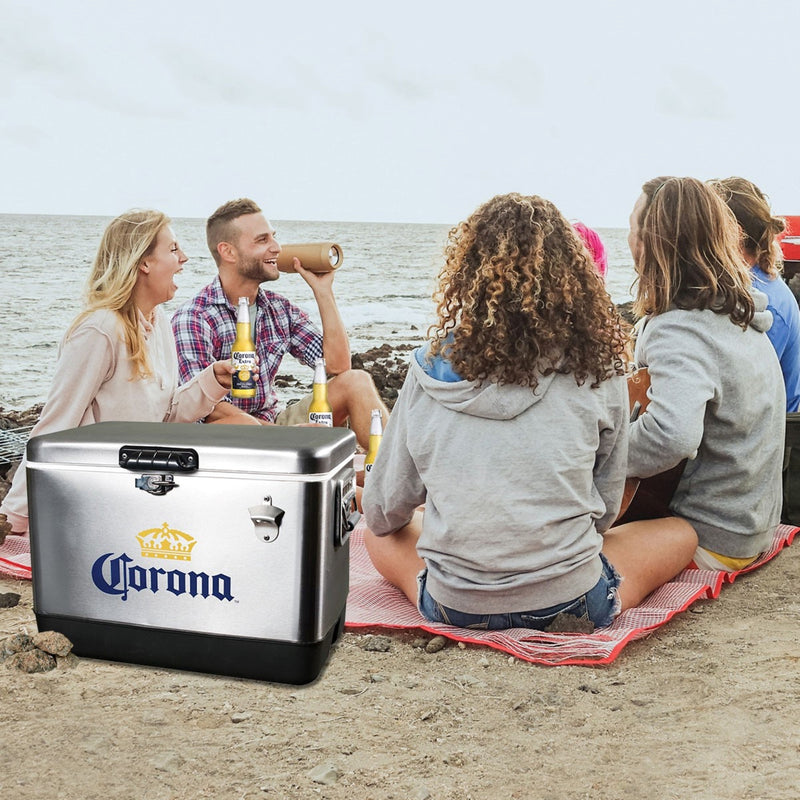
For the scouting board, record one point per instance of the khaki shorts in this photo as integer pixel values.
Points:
(296, 413)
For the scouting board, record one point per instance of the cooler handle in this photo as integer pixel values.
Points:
(175, 459)
(350, 514)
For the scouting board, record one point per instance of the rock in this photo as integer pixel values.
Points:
(53, 642)
(8, 599)
(326, 774)
(20, 419)
(69, 661)
(240, 716)
(32, 661)
(388, 369)
(626, 312)
(5, 525)
(436, 644)
(377, 644)
(19, 643)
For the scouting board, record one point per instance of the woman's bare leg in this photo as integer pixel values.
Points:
(395, 556)
(648, 553)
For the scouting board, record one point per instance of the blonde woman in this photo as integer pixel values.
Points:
(512, 430)
(118, 360)
(763, 255)
(716, 391)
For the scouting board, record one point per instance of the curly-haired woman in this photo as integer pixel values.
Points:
(716, 390)
(512, 431)
(763, 255)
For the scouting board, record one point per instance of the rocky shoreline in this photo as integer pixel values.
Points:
(387, 364)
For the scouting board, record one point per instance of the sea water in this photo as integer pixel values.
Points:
(383, 288)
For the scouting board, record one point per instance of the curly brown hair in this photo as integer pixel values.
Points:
(519, 297)
(752, 211)
(689, 256)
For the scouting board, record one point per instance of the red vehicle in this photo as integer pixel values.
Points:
(790, 245)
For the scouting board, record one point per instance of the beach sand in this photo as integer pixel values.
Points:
(706, 707)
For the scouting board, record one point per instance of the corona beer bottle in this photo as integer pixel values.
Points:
(375, 436)
(320, 410)
(243, 354)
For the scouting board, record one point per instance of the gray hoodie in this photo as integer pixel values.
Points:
(518, 486)
(717, 398)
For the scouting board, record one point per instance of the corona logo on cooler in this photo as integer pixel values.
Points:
(118, 574)
(164, 542)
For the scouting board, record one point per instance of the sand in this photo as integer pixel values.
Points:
(706, 707)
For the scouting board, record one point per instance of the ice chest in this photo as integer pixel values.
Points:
(216, 548)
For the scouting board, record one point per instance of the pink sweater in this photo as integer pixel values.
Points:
(93, 383)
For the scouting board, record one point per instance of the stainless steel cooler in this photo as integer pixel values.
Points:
(217, 548)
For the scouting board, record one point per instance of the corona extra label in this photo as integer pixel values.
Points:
(319, 412)
(243, 354)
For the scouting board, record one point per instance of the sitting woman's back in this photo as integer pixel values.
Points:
(511, 429)
(716, 394)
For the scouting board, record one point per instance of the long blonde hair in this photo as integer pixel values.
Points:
(127, 240)
(751, 208)
(690, 254)
(522, 298)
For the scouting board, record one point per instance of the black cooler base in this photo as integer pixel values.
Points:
(260, 659)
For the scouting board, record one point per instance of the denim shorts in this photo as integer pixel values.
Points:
(599, 606)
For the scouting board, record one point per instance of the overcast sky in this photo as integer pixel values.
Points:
(397, 111)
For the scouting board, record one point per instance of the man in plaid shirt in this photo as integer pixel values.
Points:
(244, 248)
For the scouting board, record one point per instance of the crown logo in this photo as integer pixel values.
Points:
(164, 542)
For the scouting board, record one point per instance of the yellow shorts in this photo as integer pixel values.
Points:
(707, 559)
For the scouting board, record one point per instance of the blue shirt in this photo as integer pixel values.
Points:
(438, 367)
(785, 331)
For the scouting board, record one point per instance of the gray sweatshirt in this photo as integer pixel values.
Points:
(717, 398)
(518, 486)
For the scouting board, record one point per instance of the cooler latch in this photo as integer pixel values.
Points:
(156, 484)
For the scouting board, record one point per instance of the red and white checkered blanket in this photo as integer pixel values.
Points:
(15, 557)
(374, 603)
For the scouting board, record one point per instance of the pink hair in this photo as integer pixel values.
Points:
(594, 244)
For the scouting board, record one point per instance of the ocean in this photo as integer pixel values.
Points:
(383, 287)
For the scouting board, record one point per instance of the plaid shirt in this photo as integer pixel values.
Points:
(205, 328)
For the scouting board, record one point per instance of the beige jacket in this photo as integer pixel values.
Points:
(94, 382)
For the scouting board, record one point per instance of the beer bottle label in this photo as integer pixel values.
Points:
(321, 418)
(244, 362)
